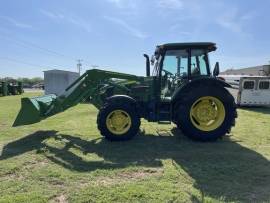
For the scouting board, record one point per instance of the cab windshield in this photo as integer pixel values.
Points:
(176, 62)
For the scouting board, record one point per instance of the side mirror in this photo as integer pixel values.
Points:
(216, 69)
(147, 61)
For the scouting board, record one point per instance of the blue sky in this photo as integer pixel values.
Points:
(38, 35)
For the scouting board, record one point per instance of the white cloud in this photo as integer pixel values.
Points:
(233, 20)
(248, 16)
(123, 3)
(133, 31)
(15, 22)
(115, 1)
(52, 15)
(80, 23)
(170, 4)
(230, 21)
(75, 20)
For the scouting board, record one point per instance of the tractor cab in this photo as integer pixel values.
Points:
(178, 63)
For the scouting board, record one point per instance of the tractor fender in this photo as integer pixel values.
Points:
(121, 98)
(126, 100)
(184, 89)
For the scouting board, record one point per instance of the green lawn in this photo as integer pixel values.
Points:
(64, 159)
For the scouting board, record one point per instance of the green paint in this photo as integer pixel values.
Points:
(91, 84)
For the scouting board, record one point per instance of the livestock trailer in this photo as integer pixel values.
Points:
(254, 91)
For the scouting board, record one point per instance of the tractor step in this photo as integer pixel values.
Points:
(164, 122)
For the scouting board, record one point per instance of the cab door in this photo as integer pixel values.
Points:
(174, 67)
(199, 65)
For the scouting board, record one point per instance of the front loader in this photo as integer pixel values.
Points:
(181, 90)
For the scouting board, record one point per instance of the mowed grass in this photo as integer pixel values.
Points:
(65, 159)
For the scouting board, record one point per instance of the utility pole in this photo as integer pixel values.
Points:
(79, 66)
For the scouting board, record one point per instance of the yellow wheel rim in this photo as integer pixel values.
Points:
(207, 113)
(118, 122)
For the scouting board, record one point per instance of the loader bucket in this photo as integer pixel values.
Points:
(33, 109)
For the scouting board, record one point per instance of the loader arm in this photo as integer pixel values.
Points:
(35, 109)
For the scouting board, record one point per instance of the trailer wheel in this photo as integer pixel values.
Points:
(118, 121)
(207, 113)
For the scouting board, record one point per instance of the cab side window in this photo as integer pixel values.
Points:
(198, 62)
(176, 62)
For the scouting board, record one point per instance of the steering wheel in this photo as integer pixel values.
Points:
(167, 72)
(169, 76)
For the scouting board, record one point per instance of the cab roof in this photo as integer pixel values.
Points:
(210, 46)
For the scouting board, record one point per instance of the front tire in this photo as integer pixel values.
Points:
(206, 113)
(118, 121)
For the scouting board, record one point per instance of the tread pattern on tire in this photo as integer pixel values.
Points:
(183, 107)
(102, 115)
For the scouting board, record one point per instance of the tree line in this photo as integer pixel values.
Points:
(27, 82)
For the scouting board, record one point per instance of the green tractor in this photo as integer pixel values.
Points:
(3, 89)
(181, 90)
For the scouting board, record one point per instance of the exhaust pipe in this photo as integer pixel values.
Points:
(147, 65)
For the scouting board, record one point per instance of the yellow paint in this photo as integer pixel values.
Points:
(118, 122)
(207, 113)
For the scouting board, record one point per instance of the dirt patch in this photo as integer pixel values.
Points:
(3, 125)
(30, 165)
(56, 182)
(60, 199)
(11, 176)
(18, 173)
(128, 176)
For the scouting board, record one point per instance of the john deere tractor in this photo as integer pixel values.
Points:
(181, 90)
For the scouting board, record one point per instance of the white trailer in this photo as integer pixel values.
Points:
(254, 91)
(249, 90)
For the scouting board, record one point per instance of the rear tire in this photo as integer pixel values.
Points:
(214, 109)
(118, 121)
